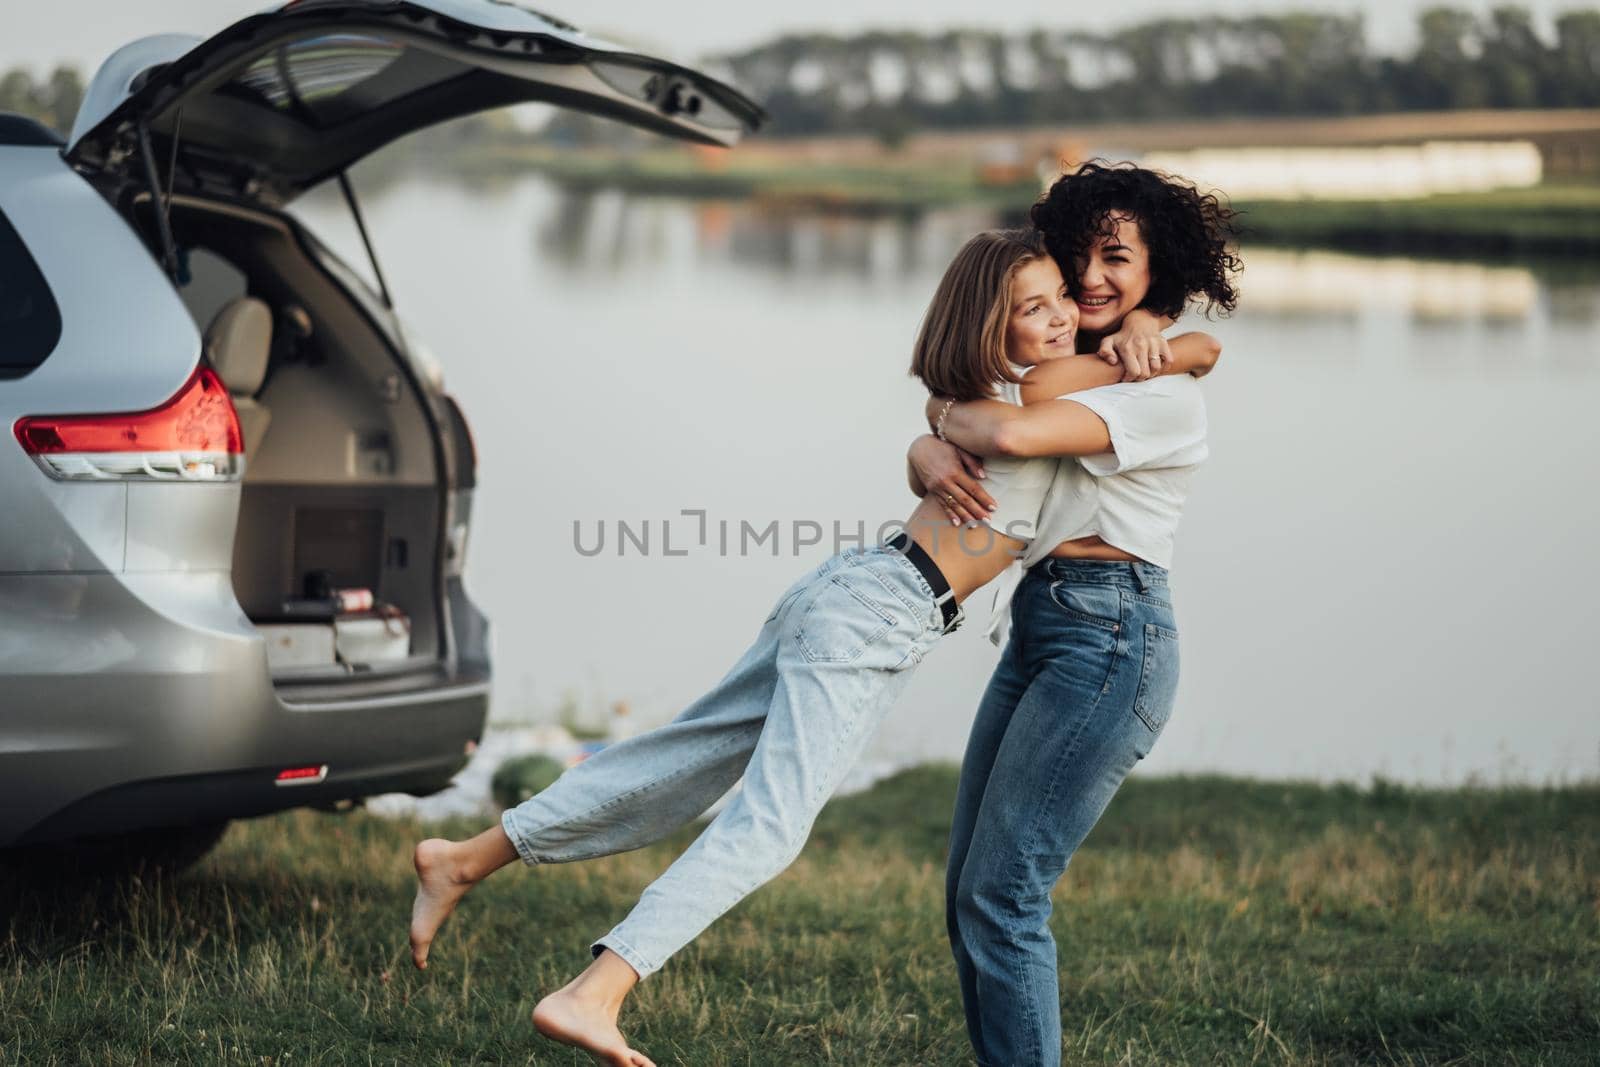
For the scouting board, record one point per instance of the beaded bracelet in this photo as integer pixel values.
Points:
(938, 425)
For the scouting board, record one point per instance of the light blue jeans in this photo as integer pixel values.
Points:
(1082, 691)
(790, 718)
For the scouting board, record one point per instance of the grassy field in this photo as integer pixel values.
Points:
(1548, 219)
(1207, 921)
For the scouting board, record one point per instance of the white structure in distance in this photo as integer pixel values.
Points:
(1377, 172)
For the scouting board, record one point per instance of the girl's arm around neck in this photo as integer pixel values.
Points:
(1192, 353)
(1047, 426)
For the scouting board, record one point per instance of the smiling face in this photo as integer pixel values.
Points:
(1114, 278)
(1043, 320)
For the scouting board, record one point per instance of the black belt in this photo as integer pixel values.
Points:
(948, 608)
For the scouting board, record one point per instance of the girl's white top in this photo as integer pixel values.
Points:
(1132, 496)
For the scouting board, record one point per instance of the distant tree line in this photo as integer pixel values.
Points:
(1265, 65)
(892, 84)
(52, 100)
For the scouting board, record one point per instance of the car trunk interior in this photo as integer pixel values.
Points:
(341, 491)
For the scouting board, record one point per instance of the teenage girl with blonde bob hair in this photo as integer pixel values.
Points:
(834, 652)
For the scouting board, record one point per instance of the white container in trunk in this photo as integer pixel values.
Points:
(372, 638)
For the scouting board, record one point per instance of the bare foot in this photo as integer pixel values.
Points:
(573, 1019)
(440, 885)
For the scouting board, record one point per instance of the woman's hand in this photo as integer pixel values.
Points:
(951, 474)
(1138, 347)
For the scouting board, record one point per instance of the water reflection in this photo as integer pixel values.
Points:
(603, 230)
(1317, 283)
(1575, 303)
(606, 231)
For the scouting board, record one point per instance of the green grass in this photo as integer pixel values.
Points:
(1546, 219)
(1206, 921)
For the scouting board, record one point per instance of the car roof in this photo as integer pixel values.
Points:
(21, 130)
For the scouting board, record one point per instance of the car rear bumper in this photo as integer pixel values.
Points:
(129, 701)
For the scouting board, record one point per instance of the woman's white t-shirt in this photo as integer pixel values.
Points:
(1131, 497)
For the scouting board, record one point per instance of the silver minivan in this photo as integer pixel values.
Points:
(234, 496)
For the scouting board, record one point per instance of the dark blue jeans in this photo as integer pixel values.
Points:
(1083, 688)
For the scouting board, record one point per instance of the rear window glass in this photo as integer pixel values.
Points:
(30, 322)
(213, 284)
(325, 80)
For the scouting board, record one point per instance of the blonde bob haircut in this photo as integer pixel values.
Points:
(961, 348)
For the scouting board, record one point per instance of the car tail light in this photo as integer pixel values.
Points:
(195, 436)
(302, 775)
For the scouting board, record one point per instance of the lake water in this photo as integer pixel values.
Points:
(1387, 567)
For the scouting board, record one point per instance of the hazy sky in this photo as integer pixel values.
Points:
(40, 33)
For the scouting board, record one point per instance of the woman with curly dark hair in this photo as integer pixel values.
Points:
(1088, 677)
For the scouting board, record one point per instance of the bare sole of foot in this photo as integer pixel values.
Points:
(565, 1018)
(438, 892)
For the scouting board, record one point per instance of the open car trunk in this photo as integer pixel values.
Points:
(353, 480)
(278, 102)
(343, 487)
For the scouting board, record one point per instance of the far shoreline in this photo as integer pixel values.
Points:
(1553, 219)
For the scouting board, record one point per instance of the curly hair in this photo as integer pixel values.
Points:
(1191, 236)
